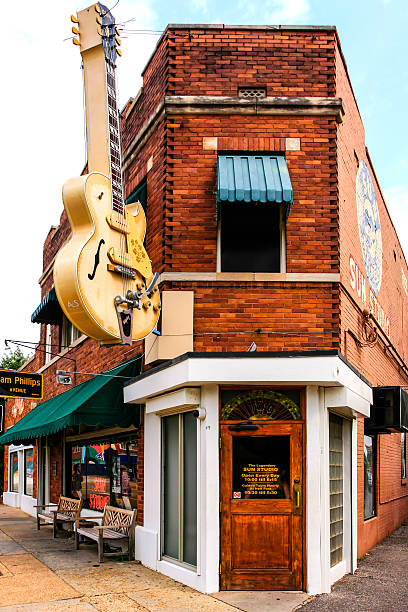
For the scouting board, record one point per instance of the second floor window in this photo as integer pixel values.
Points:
(254, 198)
(69, 333)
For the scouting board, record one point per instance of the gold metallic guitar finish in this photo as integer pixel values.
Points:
(85, 281)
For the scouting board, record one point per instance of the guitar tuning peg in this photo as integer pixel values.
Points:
(99, 30)
(117, 31)
(119, 52)
(74, 19)
(98, 20)
(74, 30)
(97, 9)
(75, 41)
(118, 41)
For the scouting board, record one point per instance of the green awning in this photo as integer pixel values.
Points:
(49, 311)
(96, 402)
(254, 178)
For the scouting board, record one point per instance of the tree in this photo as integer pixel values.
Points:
(13, 360)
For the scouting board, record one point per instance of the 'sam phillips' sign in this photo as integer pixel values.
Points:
(21, 384)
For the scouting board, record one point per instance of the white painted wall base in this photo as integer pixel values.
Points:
(18, 500)
(338, 571)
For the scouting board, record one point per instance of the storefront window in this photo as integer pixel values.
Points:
(105, 473)
(369, 477)
(14, 472)
(403, 456)
(179, 433)
(28, 471)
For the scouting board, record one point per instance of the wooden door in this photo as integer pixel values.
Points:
(261, 506)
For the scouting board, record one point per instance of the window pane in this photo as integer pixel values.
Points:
(28, 471)
(369, 477)
(189, 488)
(14, 472)
(250, 237)
(171, 486)
(97, 476)
(261, 467)
(336, 488)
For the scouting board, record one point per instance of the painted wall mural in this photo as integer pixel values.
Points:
(369, 226)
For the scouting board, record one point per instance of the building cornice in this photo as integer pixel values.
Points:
(228, 105)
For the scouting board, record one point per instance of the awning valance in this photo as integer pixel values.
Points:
(96, 402)
(254, 178)
(49, 310)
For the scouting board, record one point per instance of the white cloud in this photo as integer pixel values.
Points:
(396, 198)
(274, 12)
(286, 11)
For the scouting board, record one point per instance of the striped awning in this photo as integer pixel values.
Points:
(254, 178)
(48, 311)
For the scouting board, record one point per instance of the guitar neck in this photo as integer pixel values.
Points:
(115, 160)
(102, 117)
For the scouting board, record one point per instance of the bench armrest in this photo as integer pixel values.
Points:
(45, 505)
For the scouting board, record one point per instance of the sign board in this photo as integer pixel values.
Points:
(21, 384)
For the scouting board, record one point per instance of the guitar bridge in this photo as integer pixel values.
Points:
(122, 270)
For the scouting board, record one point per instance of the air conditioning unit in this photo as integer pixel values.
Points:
(389, 411)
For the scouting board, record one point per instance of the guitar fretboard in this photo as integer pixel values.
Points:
(114, 139)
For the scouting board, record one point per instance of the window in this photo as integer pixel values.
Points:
(403, 455)
(254, 199)
(14, 480)
(28, 471)
(69, 333)
(179, 534)
(251, 237)
(104, 473)
(336, 488)
(49, 352)
(369, 476)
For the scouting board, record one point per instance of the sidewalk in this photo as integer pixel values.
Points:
(379, 585)
(38, 573)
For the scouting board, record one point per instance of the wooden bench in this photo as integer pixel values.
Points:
(118, 527)
(67, 511)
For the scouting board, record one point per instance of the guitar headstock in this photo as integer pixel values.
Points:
(95, 26)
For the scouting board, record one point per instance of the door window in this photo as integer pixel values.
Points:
(14, 472)
(261, 467)
(28, 471)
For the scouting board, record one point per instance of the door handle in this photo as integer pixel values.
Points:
(297, 497)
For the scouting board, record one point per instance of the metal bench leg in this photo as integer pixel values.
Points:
(100, 548)
(38, 523)
(54, 528)
(76, 540)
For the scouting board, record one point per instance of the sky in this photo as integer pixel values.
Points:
(42, 109)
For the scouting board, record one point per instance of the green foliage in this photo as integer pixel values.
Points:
(13, 360)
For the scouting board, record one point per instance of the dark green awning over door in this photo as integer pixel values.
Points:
(96, 402)
(254, 178)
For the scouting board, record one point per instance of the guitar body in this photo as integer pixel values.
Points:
(87, 269)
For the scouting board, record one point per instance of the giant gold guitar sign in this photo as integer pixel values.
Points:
(103, 275)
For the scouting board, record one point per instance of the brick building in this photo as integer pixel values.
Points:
(250, 469)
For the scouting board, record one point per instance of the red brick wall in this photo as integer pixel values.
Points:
(217, 60)
(379, 363)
